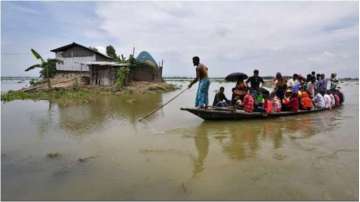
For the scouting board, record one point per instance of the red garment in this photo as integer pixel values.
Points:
(268, 106)
(337, 100)
(306, 101)
(294, 103)
(248, 103)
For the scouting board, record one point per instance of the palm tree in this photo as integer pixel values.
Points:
(48, 67)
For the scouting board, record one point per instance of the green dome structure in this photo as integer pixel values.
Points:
(145, 57)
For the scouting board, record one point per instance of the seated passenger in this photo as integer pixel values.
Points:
(306, 102)
(333, 102)
(286, 101)
(294, 102)
(239, 92)
(279, 86)
(319, 101)
(259, 100)
(267, 103)
(220, 99)
(341, 96)
(276, 104)
(337, 100)
(248, 102)
(327, 99)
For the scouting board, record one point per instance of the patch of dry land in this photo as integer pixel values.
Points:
(84, 93)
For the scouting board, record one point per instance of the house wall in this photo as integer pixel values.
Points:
(82, 77)
(74, 59)
(73, 63)
(145, 73)
(103, 76)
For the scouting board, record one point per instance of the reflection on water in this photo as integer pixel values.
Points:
(243, 139)
(82, 118)
(175, 155)
(202, 147)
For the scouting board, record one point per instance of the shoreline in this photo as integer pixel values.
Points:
(85, 94)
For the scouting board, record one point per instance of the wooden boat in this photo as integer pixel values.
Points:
(216, 113)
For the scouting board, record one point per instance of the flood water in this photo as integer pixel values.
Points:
(106, 154)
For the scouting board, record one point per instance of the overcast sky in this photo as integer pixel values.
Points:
(228, 36)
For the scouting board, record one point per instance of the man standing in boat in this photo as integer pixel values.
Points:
(202, 99)
(255, 82)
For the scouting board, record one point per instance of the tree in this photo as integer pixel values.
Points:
(94, 49)
(48, 67)
(111, 52)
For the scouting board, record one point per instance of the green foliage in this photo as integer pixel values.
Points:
(111, 52)
(48, 67)
(37, 55)
(93, 48)
(121, 76)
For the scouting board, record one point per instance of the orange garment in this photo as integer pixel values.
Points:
(248, 103)
(306, 101)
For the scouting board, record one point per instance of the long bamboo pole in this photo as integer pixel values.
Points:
(163, 105)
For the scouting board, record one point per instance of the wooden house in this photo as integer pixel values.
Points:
(74, 59)
(95, 68)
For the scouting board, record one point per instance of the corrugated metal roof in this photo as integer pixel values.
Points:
(104, 63)
(76, 44)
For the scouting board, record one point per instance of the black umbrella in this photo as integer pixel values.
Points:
(236, 76)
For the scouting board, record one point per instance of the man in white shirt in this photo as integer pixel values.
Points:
(293, 81)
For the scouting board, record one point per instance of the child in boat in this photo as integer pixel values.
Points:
(319, 101)
(220, 99)
(276, 102)
(248, 102)
(306, 102)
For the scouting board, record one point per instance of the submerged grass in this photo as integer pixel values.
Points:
(59, 95)
(85, 95)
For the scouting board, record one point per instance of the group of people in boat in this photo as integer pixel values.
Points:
(286, 95)
(291, 94)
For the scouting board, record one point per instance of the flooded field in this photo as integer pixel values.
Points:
(99, 151)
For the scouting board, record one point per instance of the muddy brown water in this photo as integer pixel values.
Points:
(99, 151)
